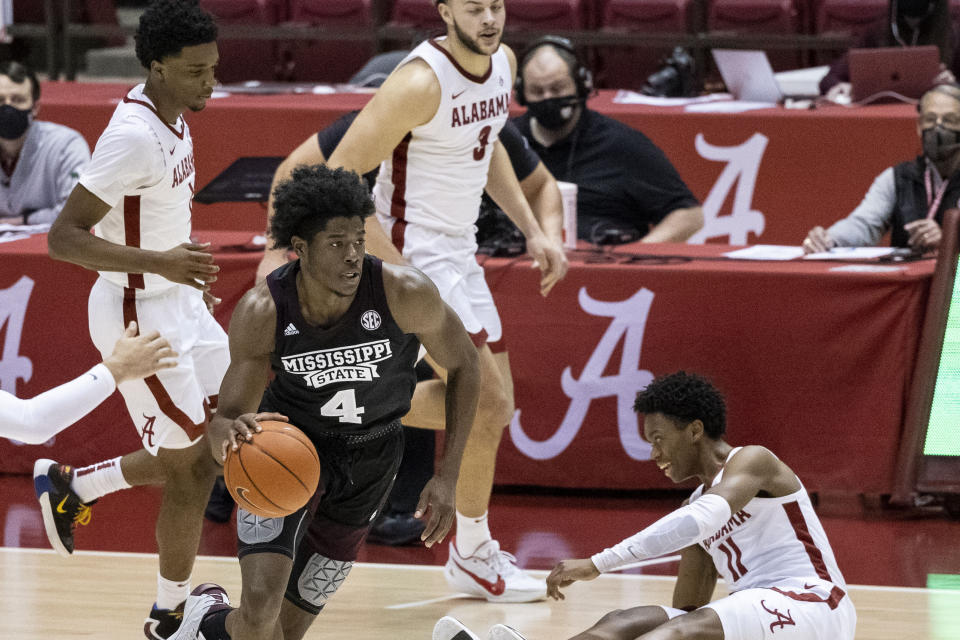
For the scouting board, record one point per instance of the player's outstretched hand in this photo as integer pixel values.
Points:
(437, 505)
(136, 357)
(190, 264)
(549, 257)
(224, 434)
(566, 572)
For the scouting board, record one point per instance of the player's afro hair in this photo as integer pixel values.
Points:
(167, 26)
(312, 196)
(685, 397)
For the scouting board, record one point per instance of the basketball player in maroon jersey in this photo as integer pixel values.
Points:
(433, 128)
(340, 331)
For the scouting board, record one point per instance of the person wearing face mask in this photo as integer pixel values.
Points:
(909, 23)
(909, 199)
(626, 186)
(40, 161)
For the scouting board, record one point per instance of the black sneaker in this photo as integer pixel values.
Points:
(61, 507)
(162, 623)
(396, 529)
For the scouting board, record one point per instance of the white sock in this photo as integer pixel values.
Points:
(98, 480)
(471, 533)
(171, 593)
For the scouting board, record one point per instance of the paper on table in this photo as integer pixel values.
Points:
(730, 106)
(766, 252)
(851, 253)
(11, 232)
(625, 96)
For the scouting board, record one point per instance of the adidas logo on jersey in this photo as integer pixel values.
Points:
(291, 330)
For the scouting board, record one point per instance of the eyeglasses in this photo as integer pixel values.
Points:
(930, 120)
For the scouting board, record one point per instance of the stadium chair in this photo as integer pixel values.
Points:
(417, 14)
(850, 16)
(546, 14)
(759, 17)
(236, 62)
(629, 67)
(331, 60)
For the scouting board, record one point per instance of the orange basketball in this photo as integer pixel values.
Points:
(275, 473)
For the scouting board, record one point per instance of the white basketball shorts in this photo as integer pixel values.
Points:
(170, 408)
(451, 262)
(784, 614)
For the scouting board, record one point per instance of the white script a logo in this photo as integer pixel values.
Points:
(13, 309)
(629, 320)
(743, 165)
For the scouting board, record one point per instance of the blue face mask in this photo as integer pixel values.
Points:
(13, 122)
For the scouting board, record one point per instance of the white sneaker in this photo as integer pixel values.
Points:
(503, 632)
(202, 600)
(492, 574)
(448, 628)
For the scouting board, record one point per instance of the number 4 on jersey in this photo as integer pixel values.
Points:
(343, 405)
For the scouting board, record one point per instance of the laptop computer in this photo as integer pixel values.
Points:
(750, 78)
(908, 71)
(246, 180)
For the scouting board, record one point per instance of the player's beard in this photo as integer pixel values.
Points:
(468, 42)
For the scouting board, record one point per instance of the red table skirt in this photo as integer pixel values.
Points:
(814, 358)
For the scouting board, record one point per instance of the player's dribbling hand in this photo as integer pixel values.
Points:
(549, 257)
(437, 501)
(226, 435)
(190, 264)
(566, 572)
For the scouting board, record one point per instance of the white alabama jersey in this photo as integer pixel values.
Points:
(773, 542)
(436, 175)
(143, 167)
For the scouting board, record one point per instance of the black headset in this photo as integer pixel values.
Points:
(581, 75)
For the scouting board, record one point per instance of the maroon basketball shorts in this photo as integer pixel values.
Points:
(324, 537)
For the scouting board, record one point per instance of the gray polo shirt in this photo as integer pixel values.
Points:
(50, 163)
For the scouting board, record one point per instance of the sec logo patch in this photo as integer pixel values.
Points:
(370, 320)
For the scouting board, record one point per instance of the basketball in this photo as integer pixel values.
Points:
(275, 473)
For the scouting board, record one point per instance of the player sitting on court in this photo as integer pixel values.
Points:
(750, 522)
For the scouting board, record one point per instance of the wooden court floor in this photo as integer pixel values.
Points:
(103, 595)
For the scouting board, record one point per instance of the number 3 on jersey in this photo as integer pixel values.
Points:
(483, 139)
(343, 405)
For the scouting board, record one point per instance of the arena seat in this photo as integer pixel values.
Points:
(419, 14)
(759, 17)
(547, 14)
(628, 67)
(850, 16)
(236, 62)
(330, 60)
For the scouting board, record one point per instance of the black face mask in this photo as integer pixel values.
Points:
(13, 122)
(553, 113)
(940, 144)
